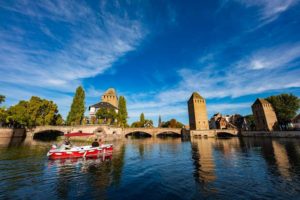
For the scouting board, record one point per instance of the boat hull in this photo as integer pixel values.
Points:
(80, 152)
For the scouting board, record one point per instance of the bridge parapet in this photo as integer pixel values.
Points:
(152, 131)
(104, 130)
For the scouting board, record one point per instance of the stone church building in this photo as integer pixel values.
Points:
(108, 100)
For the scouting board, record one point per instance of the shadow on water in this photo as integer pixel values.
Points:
(138, 135)
(168, 135)
(50, 135)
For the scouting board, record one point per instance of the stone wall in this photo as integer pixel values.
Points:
(281, 134)
(12, 133)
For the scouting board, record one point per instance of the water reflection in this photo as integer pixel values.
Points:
(203, 159)
(282, 160)
(155, 168)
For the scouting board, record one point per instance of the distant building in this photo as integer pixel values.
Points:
(264, 115)
(218, 121)
(197, 112)
(213, 121)
(109, 101)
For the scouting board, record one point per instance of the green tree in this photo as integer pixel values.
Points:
(122, 114)
(76, 113)
(3, 113)
(107, 114)
(142, 118)
(286, 107)
(173, 123)
(250, 121)
(34, 112)
(2, 98)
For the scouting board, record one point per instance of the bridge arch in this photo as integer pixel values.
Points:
(138, 134)
(47, 135)
(168, 134)
(225, 134)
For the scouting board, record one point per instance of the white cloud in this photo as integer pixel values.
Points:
(96, 41)
(265, 70)
(64, 43)
(275, 57)
(269, 10)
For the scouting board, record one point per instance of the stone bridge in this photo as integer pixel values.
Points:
(103, 130)
(153, 132)
(214, 133)
(116, 132)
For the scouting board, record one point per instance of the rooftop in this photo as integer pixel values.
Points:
(196, 95)
(261, 101)
(103, 105)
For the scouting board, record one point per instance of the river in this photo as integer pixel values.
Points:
(236, 168)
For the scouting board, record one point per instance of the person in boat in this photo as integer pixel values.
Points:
(67, 144)
(95, 143)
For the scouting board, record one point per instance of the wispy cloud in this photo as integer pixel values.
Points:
(87, 43)
(272, 58)
(91, 49)
(277, 70)
(269, 10)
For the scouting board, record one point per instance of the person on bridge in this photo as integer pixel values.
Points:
(95, 143)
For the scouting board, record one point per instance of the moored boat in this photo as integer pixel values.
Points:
(71, 151)
(79, 151)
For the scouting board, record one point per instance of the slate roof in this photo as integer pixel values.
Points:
(103, 105)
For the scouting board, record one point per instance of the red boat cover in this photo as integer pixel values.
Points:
(78, 134)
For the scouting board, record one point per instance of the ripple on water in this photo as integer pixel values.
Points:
(162, 169)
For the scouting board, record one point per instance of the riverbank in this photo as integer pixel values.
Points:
(275, 134)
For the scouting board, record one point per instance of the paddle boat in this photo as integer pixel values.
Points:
(70, 151)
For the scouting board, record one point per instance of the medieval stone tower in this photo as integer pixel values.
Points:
(110, 96)
(264, 115)
(197, 112)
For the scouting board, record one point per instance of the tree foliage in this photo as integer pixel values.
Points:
(35, 112)
(3, 113)
(173, 123)
(285, 106)
(122, 114)
(106, 114)
(2, 98)
(250, 121)
(76, 113)
(142, 123)
(142, 118)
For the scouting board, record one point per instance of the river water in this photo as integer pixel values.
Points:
(149, 168)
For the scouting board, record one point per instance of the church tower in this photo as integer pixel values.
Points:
(197, 112)
(110, 96)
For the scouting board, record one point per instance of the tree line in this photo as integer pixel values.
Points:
(39, 112)
(34, 112)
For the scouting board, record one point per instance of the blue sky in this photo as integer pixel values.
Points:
(155, 53)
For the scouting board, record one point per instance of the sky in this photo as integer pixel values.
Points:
(155, 53)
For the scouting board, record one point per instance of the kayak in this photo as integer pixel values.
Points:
(66, 151)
